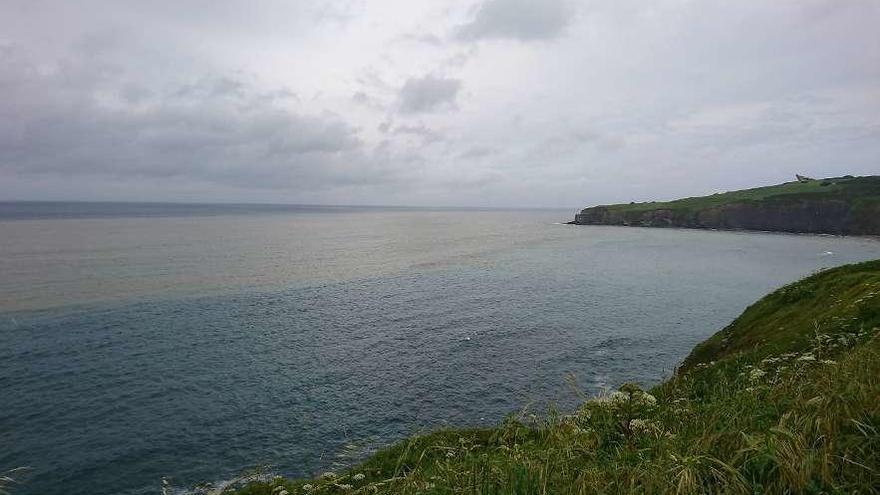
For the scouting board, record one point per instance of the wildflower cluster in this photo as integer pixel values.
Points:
(327, 483)
(823, 346)
(278, 487)
(756, 374)
(700, 366)
(629, 396)
(645, 427)
(629, 408)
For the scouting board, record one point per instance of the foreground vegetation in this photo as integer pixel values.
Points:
(784, 400)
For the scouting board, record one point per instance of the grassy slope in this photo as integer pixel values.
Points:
(784, 400)
(860, 189)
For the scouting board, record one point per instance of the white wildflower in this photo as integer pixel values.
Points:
(643, 426)
(807, 357)
(618, 397)
(307, 487)
(635, 398)
(329, 475)
(358, 477)
(757, 374)
(647, 399)
(345, 487)
(283, 492)
(828, 361)
(583, 431)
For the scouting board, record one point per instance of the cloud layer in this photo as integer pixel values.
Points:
(428, 93)
(495, 102)
(524, 20)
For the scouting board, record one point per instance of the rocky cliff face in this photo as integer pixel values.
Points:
(819, 216)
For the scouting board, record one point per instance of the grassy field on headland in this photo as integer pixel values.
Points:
(854, 188)
(837, 205)
(784, 400)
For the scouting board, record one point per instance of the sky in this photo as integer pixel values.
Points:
(541, 103)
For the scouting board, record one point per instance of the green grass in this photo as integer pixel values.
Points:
(840, 300)
(785, 400)
(863, 188)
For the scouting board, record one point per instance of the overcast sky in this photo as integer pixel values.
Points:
(489, 103)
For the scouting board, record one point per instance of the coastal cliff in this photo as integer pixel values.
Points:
(841, 205)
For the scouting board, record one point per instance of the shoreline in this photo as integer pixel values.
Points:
(872, 237)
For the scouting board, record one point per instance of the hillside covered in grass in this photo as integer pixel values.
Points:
(839, 205)
(785, 400)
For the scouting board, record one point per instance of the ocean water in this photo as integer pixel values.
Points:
(196, 341)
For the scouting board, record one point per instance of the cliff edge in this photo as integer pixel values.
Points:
(838, 205)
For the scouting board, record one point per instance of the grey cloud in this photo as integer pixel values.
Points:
(585, 142)
(216, 129)
(458, 60)
(424, 38)
(361, 97)
(476, 152)
(306, 104)
(370, 78)
(208, 87)
(524, 20)
(428, 93)
(474, 179)
(427, 134)
(794, 121)
(134, 93)
(367, 100)
(600, 140)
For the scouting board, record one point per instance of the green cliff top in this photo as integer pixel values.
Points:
(846, 188)
(844, 299)
(786, 399)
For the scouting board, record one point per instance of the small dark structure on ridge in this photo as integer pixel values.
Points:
(803, 178)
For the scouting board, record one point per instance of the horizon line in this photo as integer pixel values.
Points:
(308, 205)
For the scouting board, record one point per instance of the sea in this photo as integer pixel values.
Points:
(196, 342)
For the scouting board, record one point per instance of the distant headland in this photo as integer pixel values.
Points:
(839, 205)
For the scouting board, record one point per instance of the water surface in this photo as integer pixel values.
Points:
(198, 342)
